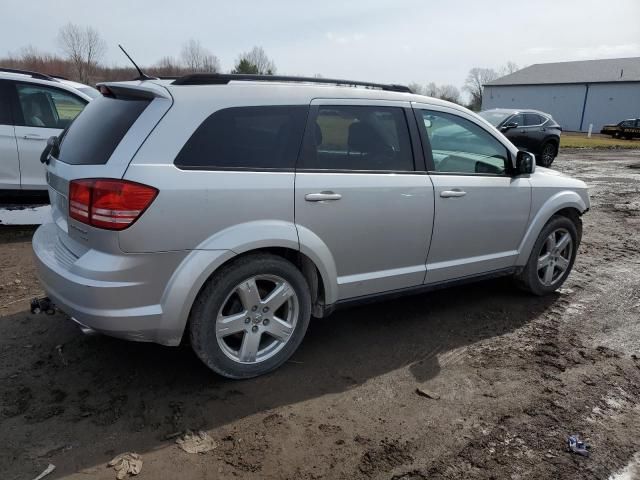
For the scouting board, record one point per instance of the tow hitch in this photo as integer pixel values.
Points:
(42, 305)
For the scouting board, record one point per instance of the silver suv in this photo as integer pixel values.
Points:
(230, 209)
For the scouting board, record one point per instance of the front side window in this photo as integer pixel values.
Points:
(518, 120)
(47, 107)
(627, 123)
(246, 138)
(495, 118)
(359, 138)
(460, 146)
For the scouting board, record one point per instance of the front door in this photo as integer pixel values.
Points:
(481, 210)
(41, 113)
(359, 197)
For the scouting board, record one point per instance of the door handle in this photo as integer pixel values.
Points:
(322, 196)
(452, 193)
(33, 136)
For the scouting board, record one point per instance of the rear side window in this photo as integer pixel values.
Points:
(359, 138)
(246, 138)
(97, 131)
(531, 119)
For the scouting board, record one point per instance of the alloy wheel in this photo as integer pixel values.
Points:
(548, 154)
(257, 319)
(555, 257)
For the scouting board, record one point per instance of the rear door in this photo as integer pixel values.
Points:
(101, 143)
(358, 193)
(40, 112)
(9, 163)
(534, 132)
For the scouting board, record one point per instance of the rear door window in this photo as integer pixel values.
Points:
(47, 107)
(265, 137)
(98, 130)
(359, 138)
(532, 119)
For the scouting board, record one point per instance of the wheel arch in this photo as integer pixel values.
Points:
(566, 203)
(276, 238)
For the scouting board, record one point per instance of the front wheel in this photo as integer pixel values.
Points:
(552, 257)
(548, 154)
(251, 316)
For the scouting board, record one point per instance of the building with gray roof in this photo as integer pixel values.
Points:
(576, 94)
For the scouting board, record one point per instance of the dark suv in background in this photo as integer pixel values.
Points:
(530, 130)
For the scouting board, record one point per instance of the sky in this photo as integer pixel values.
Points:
(399, 41)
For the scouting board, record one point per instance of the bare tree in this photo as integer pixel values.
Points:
(167, 66)
(475, 82)
(509, 68)
(84, 47)
(196, 58)
(255, 61)
(431, 90)
(416, 88)
(450, 93)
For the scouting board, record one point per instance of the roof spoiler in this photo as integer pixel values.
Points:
(126, 91)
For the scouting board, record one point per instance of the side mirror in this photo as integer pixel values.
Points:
(525, 163)
(52, 148)
(509, 126)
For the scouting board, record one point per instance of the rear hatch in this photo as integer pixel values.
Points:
(101, 143)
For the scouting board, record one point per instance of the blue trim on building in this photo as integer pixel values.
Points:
(584, 104)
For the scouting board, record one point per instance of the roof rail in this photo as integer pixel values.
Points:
(224, 78)
(37, 75)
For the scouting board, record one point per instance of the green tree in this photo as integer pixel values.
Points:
(255, 61)
(245, 66)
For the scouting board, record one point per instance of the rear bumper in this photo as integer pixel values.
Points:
(116, 294)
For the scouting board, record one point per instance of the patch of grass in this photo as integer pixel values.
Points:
(580, 140)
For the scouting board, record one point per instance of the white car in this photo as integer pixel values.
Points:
(33, 107)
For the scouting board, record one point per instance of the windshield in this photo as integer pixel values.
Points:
(92, 92)
(494, 118)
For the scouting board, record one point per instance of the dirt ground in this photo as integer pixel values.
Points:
(515, 374)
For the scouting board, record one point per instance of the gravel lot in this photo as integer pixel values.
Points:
(514, 374)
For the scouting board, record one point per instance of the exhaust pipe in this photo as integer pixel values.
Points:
(83, 328)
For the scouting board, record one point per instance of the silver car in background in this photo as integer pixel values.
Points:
(231, 209)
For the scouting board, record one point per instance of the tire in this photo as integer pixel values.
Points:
(548, 154)
(530, 278)
(233, 337)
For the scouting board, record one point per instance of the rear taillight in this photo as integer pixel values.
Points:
(107, 203)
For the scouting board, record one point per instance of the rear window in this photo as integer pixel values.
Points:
(246, 138)
(97, 131)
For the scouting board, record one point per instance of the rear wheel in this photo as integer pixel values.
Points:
(548, 154)
(552, 257)
(251, 316)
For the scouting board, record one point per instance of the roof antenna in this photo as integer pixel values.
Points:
(143, 76)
